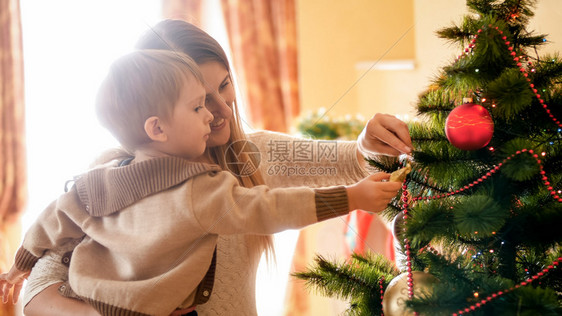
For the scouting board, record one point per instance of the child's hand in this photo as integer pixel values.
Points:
(401, 174)
(15, 279)
(371, 194)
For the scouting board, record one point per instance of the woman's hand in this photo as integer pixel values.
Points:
(372, 194)
(384, 134)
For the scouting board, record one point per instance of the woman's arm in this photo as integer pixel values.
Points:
(288, 161)
(50, 303)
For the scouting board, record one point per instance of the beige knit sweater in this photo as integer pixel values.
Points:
(234, 287)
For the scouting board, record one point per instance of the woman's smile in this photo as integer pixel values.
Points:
(218, 123)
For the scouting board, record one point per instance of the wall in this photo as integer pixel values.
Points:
(341, 45)
(335, 35)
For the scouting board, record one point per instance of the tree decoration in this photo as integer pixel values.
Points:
(469, 126)
(396, 294)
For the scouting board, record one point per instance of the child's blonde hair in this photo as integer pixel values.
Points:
(139, 85)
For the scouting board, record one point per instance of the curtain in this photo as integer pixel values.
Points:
(187, 10)
(13, 176)
(263, 42)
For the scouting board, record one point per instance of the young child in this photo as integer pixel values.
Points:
(149, 226)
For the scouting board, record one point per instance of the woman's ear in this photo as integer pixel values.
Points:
(153, 128)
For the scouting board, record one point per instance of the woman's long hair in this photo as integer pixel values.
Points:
(178, 35)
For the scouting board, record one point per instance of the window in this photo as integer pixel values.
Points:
(68, 46)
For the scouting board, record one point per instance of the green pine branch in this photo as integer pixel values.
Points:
(358, 281)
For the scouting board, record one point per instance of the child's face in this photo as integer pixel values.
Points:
(189, 127)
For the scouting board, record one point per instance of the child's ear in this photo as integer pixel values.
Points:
(153, 128)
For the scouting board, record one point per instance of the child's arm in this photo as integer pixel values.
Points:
(54, 227)
(58, 224)
(14, 278)
(24, 261)
(222, 206)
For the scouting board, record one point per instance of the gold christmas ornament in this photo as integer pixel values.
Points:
(396, 293)
(400, 174)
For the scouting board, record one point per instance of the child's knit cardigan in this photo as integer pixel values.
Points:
(150, 230)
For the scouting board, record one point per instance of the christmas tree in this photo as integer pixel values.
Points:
(478, 222)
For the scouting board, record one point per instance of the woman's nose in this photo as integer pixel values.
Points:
(217, 105)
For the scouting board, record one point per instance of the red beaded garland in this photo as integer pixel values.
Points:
(494, 170)
(522, 69)
(410, 279)
(381, 283)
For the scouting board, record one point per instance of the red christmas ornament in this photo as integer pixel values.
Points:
(469, 127)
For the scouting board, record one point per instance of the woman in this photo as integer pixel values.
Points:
(237, 256)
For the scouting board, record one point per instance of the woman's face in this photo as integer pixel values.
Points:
(219, 100)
